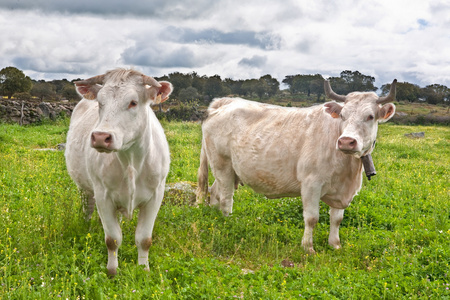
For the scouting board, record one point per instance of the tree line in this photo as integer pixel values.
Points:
(193, 87)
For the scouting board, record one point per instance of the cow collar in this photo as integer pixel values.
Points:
(369, 167)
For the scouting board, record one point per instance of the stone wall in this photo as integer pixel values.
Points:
(28, 112)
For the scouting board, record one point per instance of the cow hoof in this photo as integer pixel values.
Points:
(226, 214)
(335, 245)
(112, 273)
(310, 250)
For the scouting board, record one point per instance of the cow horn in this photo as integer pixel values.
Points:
(330, 94)
(91, 81)
(391, 96)
(151, 81)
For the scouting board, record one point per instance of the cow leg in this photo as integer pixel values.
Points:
(88, 205)
(214, 199)
(336, 216)
(310, 200)
(113, 234)
(223, 187)
(144, 229)
(226, 190)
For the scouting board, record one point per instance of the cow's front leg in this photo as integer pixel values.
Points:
(310, 200)
(88, 205)
(113, 233)
(336, 216)
(146, 222)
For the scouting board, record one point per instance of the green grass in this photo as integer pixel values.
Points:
(395, 235)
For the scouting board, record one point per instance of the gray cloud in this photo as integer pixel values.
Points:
(148, 8)
(46, 66)
(255, 61)
(305, 46)
(263, 40)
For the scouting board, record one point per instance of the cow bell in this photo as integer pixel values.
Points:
(369, 168)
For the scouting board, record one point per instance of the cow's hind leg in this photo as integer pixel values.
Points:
(113, 233)
(223, 187)
(336, 216)
(215, 195)
(214, 199)
(310, 199)
(146, 221)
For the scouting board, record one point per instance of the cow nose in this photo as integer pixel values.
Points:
(102, 140)
(347, 144)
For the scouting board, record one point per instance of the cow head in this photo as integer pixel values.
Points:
(123, 98)
(359, 114)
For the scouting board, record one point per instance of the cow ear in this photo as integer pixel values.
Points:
(87, 91)
(387, 111)
(159, 94)
(333, 108)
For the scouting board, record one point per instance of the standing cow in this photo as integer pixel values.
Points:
(117, 153)
(311, 152)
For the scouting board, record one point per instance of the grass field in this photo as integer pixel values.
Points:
(395, 236)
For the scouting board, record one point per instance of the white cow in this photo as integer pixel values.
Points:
(282, 152)
(117, 153)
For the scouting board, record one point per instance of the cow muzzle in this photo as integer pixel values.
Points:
(348, 145)
(102, 141)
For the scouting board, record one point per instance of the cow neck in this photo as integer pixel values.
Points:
(135, 155)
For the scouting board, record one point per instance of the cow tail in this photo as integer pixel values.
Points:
(202, 176)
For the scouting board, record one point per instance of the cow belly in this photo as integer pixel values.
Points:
(268, 182)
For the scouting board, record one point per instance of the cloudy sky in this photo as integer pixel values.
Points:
(55, 39)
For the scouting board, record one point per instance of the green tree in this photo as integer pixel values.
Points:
(249, 87)
(289, 81)
(60, 84)
(213, 87)
(235, 86)
(358, 82)
(42, 89)
(316, 86)
(405, 91)
(13, 80)
(68, 92)
(339, 85)
(179, 81)
(435, 93)
(261, 88)
(198, 82)
(273, 86)
(306, 84)
(188, 94)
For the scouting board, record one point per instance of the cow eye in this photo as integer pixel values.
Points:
(370, 118)
(342, 117)
(132, 104)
